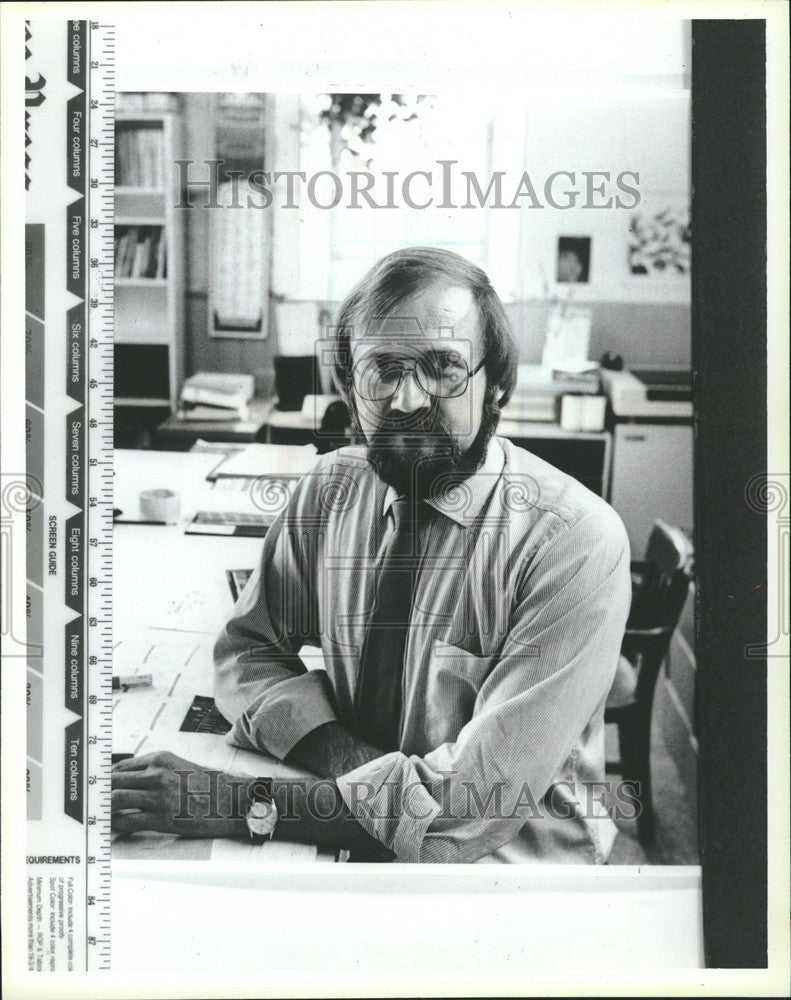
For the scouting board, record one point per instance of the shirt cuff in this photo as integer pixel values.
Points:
(292, 709)
(389, 801)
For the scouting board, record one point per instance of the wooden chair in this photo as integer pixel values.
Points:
(660, 583)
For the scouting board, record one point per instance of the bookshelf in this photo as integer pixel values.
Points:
(149, 257)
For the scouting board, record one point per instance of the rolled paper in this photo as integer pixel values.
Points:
(160, 505)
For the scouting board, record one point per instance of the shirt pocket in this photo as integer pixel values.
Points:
(454, 679)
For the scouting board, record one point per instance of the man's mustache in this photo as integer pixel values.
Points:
(418, 422)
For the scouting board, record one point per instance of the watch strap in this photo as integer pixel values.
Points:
(261, 790)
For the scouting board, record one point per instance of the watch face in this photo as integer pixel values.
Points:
(261, 818)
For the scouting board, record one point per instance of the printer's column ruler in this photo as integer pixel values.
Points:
(69, 180)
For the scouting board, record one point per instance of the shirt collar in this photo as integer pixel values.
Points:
(464, 503)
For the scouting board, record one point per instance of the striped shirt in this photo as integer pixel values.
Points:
(517, 618)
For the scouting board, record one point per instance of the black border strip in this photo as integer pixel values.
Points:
(729, 359)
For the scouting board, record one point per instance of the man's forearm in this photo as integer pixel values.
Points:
(314, 812)
(330, 751)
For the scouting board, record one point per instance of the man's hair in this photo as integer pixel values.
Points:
(397, 276)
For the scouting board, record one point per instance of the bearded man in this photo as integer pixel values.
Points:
(468, 598)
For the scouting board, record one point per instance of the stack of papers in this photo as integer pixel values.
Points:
(584, 375)
(536, 396)
(216, 396)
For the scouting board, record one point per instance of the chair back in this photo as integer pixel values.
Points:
(333, 430)
(659, 590)
(658, 599)
(657, 602)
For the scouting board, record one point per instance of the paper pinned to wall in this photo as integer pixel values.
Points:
(239, 285)
(568, 338)
(297, 328)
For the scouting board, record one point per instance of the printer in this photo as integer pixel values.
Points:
(649, 393)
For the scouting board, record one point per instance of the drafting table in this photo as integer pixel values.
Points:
(170, 600)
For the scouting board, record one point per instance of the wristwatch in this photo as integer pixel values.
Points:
(261, 815)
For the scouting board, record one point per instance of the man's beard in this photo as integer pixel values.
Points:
(417, 455)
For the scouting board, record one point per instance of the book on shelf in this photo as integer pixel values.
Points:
(139, 158)
(140, 252)
(160, 272)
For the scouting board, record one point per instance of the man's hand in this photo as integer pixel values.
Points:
(165, 793)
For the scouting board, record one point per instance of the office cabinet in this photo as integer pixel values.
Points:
(652, 477)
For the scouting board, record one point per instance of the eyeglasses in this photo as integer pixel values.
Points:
(442, 374)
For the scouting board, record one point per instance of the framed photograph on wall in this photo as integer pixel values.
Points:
(574, 259)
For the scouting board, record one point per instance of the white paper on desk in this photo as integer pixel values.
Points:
(203, 611)
(153, 846)
(269, 460)
(276, 851)
(180, 668)
(263, 496)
